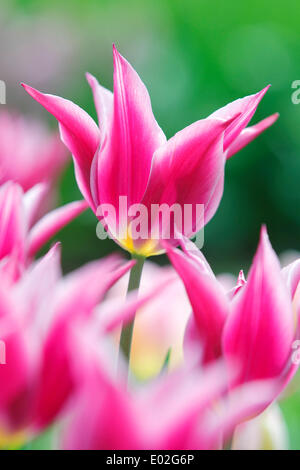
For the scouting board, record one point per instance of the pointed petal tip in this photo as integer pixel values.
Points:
(90, 79)
(263, 231)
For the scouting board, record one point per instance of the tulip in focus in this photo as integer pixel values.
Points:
(128, 156)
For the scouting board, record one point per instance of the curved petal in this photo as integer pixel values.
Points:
(250, 133)
(12, 221)
(55, 382)
(125, 161)
(208, 300)
(79, 133)
(291, 275)
(189, 170)
(51, 223)
(246, 107)
(259, 332)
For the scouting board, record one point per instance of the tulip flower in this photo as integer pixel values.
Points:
(254, 327)
(36, 316)
(183, 410)
(127, 157)
(21, 236)
(29, 153)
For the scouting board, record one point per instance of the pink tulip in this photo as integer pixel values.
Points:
(20, 235)
(29, 153)
(253, 327)
(37, 314)
(184, 410)
(128, 155)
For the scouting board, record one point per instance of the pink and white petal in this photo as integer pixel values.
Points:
(259, 332)
(104, 102)
(208, 300)
(35, 292)
(241, 404)
(187, 170)
(106, 413)
(246, 107)
(14, 360)
(79, 133)
(51, 223)
(291, 275)
(114, 312)
(33, 201)
(13, 225)
(70, 306)
(250, 133)
(124, 162)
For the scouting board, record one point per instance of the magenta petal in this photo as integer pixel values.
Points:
(104, 410)
(250, 133)
(189, 169)
(115, 313)
(125, 161)
(260, 329)
(208, 300)
(78, 131)
(55, 382)
(33, 202)
(104, 102)
(51, 223)
(15, 364)
(246, 107)
(12, 222)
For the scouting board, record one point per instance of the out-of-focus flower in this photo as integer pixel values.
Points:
(267, 431)
(159, 326)
(184, 410)
(36, 316)
(128, 155)
(20, 235)
(29, 153)
(254, 326)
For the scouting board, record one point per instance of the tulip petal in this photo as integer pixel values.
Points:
(189, 170)
(125, 161)
(104, 102)
(246, 107)
(208, 300)
(291, 275)
(51, 223)
(14, 360)
(12, 221)
(55, 378)
(33, 201)
(250, 133)
(79, 133)
(260, 329)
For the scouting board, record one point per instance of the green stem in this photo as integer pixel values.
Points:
(127, 330)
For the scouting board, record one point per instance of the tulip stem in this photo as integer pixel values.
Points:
(127, 330)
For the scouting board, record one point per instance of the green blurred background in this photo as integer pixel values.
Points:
(194, 56)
